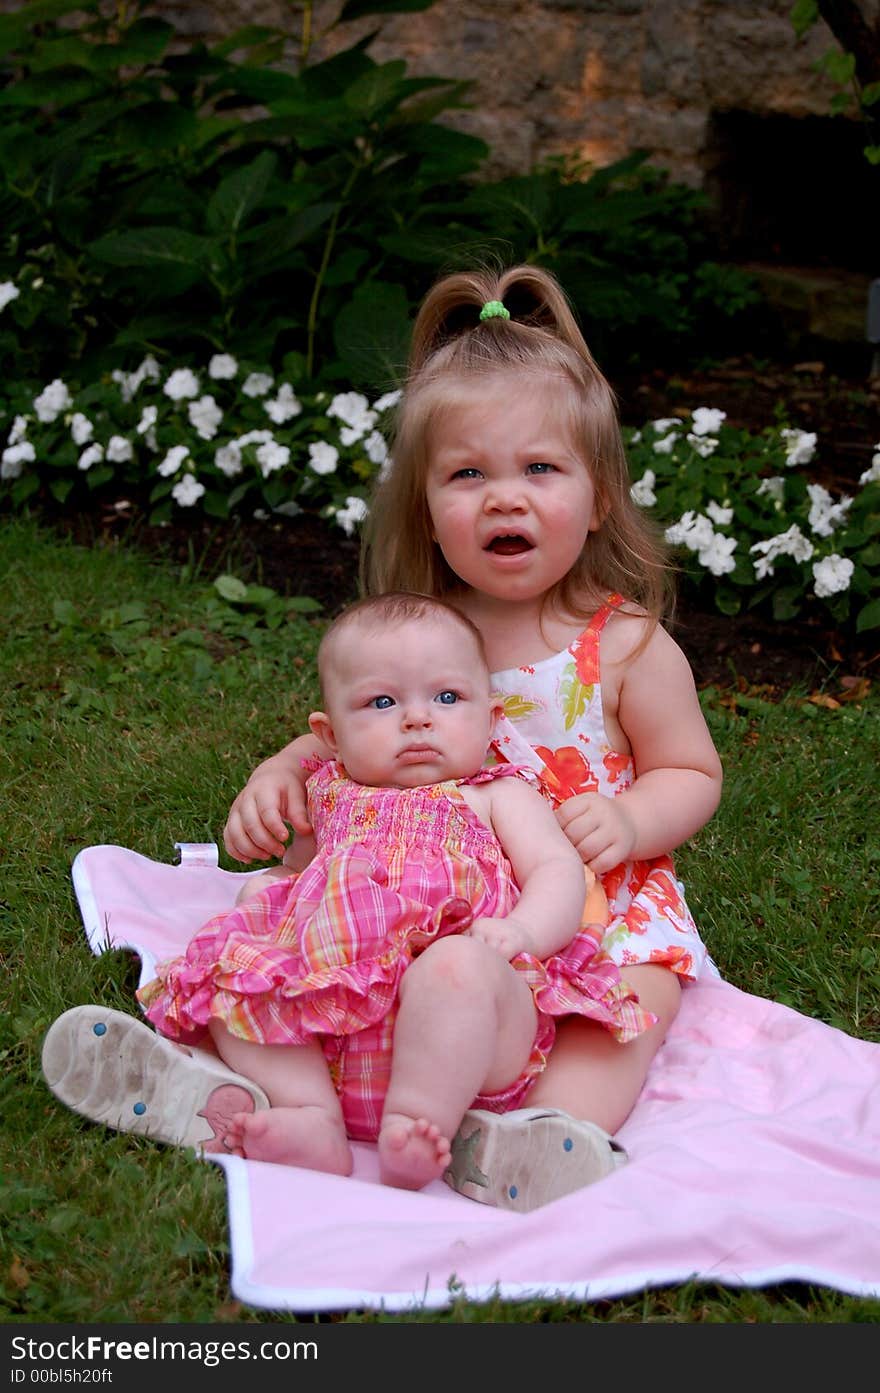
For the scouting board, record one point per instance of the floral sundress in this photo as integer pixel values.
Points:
(553, 723)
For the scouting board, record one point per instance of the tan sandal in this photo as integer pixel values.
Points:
(526, 1158)
(115, 1069)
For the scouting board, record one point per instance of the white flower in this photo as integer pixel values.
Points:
(222, 366)
(323, 458)
(81, 428)
(90, 455)
(790, 543)
(707, 419)
(720, 516)
(870, 476)
(173, 460)
(825, 515)
(635, 437)
(642, 492)
(376, 447)
(14, 456)
(8, 292)
(187, 491)
(692, 530)
(181, 383)
(800, 446)
(255, 437)
(389, 399)
(353, 409)
(19, 429)
(772, 488)
(206, 416)
(257, 384)
(704, 445)
(129, 383)
(119, 449)
(664, 424)
(348, 517)
(717, 556)
(832, 574)
(52, 401)
(272, 456)
(149, 417)
(284, 405)
(667, 444)
(228, 459)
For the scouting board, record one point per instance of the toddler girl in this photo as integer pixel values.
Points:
(508, 496)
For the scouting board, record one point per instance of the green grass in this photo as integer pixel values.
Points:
(134, 703)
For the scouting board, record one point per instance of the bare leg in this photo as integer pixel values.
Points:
(590, 1075)
(465, 1025)
(304, 1125)
(257, 882)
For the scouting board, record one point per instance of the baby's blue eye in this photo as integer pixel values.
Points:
(466, 474)
(382, 703)
(447, 698)
(541, 467)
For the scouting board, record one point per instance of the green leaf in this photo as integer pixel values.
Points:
(371, 332)
(302, 604)
(803, 15)
(153, 247)
(63, 87)
(870, 94)
(249, 36)
(872, 154)
(868, 617)
(787, 601)
(376, 89)
(231, 589)
(240, 193)
(839, 66)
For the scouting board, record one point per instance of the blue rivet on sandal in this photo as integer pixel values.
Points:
(140, 1109)
(100, 1028)
(513, 1192)
(567, 1144)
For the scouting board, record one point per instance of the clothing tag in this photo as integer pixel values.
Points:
(198, 853)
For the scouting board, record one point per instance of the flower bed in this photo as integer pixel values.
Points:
(747, 522)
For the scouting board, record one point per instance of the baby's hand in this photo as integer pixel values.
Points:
(507, 936)
(273, 796)
(600, 828)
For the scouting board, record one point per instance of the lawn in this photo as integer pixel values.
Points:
(135, 700)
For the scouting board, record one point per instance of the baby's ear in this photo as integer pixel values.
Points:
(496, 711)
(321, 726)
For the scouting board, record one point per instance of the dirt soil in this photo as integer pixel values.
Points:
(306, 556)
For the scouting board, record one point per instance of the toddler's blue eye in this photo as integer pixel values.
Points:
(447, 698)
(541, 467)
(382, 703)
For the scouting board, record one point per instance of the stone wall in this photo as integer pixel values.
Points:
(593, 78)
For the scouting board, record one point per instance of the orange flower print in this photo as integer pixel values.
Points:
(566, 772)
(615, 764)
(675, 957)
(585, 651)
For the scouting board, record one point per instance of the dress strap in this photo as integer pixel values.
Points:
(604, 613)
(506, 770)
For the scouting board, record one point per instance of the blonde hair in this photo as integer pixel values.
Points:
(391, 608)
(453, 350)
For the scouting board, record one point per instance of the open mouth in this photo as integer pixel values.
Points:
(510, 544)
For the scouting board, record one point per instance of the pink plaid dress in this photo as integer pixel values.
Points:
(320, 955)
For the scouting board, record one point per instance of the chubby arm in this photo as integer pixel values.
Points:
(678, 772)
(547, 869)
(274, 795)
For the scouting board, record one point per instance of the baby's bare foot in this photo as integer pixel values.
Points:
(412, 1151)
(306, 1136)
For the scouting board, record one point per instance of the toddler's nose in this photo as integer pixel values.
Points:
(417, 715)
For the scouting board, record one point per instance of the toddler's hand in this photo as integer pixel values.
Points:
(507, 936)
(600, 828)
(256, 828)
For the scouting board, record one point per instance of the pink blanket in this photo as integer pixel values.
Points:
(754, 1158)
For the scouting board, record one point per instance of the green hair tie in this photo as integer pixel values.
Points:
(493, 309)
